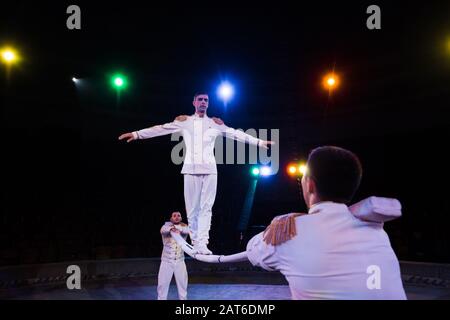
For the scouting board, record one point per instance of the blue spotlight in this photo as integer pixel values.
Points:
(263, 171)
(225, 92)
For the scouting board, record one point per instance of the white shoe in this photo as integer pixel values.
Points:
(193, 247)
(202, 249)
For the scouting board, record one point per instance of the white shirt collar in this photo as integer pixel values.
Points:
(195, 115)
(327, 206)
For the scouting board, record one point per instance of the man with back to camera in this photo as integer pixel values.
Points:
(172, 259)
(199, 169)
(328, 253)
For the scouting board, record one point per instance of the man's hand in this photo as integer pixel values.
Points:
(265, 144)
(217, 121)
(129, 136)
(181, 118)
(174, 229)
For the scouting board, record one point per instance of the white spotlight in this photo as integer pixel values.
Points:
(266, 171)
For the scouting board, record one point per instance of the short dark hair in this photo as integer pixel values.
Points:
(337, 173)
(200, 93)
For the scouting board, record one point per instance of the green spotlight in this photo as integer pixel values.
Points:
(255, 171)
(119, 81)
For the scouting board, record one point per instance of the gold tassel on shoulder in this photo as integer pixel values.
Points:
(281, 229)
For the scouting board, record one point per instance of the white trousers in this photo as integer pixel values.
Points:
(199, 197)
(166, 271)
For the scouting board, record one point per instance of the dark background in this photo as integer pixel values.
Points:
(71, 191)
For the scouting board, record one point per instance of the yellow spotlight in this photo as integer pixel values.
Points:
(330, 81)
(302, 169)
(9, 55)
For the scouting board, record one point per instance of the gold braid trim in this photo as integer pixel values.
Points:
(281, 229)
(181, 118)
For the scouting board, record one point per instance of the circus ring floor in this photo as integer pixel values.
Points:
(135, 279)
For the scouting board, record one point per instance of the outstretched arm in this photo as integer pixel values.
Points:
(155, 131)
(243, 137)
(261, 254)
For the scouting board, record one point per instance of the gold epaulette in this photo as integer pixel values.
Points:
(181, 118)
(183, 224)
(281, 229)
(218, 121)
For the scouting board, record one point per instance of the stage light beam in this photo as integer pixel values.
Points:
(119, 82)
(331, 81)
(255, 171)
(292, 169)
(225, 91)
(9, 56)
(302, 169)
(265, 171)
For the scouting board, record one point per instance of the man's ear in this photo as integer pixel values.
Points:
(311, 186)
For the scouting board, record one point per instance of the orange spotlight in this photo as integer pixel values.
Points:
(292, 169)
(330, 81)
